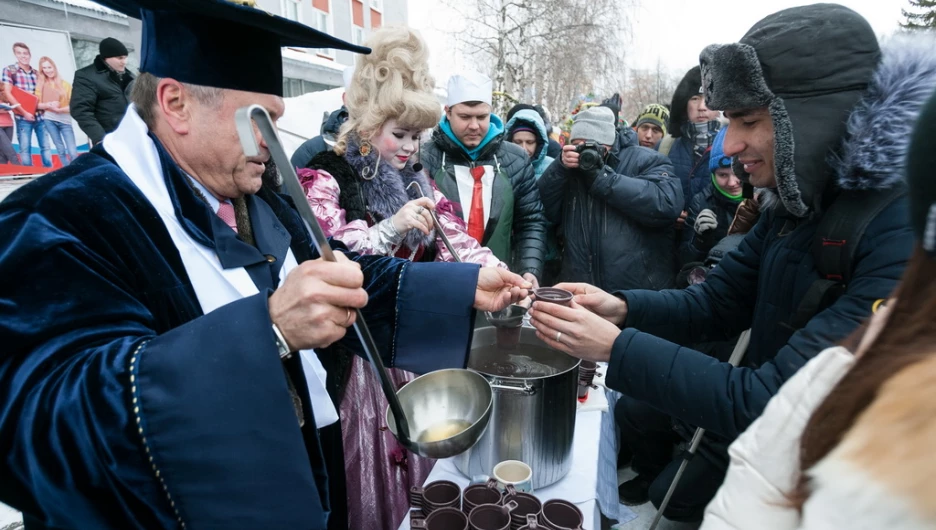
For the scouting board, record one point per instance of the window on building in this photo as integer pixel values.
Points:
(322, 21)
(376, 5)
(290, 9)
(357, 35)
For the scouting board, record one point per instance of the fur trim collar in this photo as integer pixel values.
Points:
(386, 193)
(880, 127)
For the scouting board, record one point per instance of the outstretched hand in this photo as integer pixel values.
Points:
(603, 304)
(498, 288)
(574, 330)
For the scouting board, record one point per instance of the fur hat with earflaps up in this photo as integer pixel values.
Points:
(809, 66)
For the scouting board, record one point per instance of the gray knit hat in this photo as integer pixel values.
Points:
(596, 123)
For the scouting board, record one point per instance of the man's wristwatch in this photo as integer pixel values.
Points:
(284, 351)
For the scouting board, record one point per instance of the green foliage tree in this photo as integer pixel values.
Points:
(921, 16)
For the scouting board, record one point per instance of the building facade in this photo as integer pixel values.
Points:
(304, 70)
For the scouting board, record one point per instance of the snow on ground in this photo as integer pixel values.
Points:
(304, 114)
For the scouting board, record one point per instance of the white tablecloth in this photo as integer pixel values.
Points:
(592, 483)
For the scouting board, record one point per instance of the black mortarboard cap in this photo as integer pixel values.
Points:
(220, 43)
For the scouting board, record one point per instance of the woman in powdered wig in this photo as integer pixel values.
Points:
(364, 195)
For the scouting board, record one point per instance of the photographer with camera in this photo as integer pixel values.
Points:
(614, 202)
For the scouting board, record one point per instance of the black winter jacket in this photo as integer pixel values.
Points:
(619, 231)
(99, 99)
(528, 241)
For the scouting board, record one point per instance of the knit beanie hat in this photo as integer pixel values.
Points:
(111, 47)
(596, 123)
(921, 158)
(655, 114)
(718, 159)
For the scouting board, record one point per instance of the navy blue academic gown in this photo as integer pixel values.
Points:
(122, 405)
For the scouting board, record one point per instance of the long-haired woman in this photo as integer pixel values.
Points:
(54, 98)
(368, 194)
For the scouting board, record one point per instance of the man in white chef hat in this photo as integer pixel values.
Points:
(491, 179)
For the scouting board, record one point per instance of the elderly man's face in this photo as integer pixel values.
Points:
(750, 137)
(216, 150)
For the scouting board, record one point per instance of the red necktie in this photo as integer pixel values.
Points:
(476, 214)
(226, 213)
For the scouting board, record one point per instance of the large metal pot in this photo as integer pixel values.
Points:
(533, 413)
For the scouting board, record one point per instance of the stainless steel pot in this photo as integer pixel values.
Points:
(533, 413)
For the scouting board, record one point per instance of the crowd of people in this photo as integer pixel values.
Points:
(41, 103)
(183, 338)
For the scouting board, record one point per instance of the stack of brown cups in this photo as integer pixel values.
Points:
(441, 519)
(526, 505)
(479, 494)
(491, 516)
(436, 495)
(586, 376)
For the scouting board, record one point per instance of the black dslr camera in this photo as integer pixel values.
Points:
(591, 155)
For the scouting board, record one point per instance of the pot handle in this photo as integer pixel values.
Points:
(525, 388)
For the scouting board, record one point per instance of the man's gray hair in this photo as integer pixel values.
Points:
(143, 95)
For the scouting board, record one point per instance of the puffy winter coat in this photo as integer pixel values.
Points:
(618, 230)
(694, 247)
(99, 99)
(516, 227)
(761, 284)
(853, 486)
(693, 171)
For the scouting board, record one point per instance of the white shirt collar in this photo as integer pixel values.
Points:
(212, 200)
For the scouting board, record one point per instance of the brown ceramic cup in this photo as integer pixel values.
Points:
(435, 495)
(553, 296)
(442, 519)
(561, 515)
(491, 516)
(479, 494)
(527, 504)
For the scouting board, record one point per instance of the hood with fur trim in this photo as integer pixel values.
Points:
(809, 66)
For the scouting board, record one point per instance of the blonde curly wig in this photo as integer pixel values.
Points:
(393, 82)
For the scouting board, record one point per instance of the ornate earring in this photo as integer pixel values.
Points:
(369, 173)
(365, 148)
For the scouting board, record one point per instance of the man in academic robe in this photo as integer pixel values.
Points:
(159, 309)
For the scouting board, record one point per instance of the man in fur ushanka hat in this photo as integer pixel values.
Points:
(811, 98)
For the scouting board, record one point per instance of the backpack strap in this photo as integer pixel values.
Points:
(840, 231)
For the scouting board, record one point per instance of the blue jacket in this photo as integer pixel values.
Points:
(683, 157)
(540, 159)
(761, 284)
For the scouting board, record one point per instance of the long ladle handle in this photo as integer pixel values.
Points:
(438, 226)
(244, 118)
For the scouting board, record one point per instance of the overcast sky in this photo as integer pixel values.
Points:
(673, 31)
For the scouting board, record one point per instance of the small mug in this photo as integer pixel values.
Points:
(441, 519)
(553, 296)
(515, 473)
(435, 495)
(479, 494)
(527, 505)
(491, 516)
(561, 515)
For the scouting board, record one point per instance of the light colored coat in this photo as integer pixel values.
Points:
(879, 477)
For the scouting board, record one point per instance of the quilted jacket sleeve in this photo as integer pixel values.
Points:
(529, 222)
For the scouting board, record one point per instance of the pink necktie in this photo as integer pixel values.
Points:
(226, 213)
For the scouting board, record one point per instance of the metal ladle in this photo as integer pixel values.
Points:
(245, 117)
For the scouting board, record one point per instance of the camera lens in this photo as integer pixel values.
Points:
(589, 159)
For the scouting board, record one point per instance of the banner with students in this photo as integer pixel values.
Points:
(37, 132)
